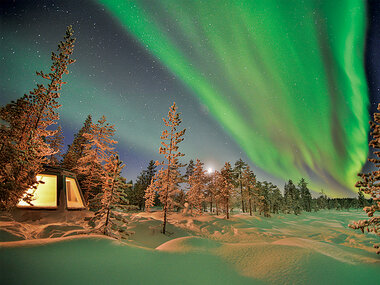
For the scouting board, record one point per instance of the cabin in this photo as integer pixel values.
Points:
(60, 190)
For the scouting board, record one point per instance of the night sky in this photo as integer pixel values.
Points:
(287, 88)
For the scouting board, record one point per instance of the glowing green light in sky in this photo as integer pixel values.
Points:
(285, 79)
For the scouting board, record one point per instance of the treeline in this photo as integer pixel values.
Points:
(200, 191)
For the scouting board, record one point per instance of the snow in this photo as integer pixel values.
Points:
(312, 248)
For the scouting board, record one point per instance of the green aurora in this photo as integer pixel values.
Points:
(286, 81)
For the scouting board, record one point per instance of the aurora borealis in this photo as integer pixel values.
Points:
(281, 85)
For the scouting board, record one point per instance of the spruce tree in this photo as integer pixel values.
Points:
(361, 199)
(111, 201)
(263, 205)
(305, 195)
(76, 149)
(292, 198)
(137, 192)
(189, 169)
(275, 198)
(26, 126)
(370, 183)
(97, 152)
(196, 194)
(166, 180)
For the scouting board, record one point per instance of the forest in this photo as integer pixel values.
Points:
(30, 138)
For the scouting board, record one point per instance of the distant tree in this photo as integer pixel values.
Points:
(305, 195)
(166, 180)
(322, 201)
(196, 194)
(226, 188)
(361, 199)
(275, 198)
(97, 152)
(240, 165)
(189, 169)
(56, 143)
(370, 183)
(263, 205)
(75, 151)
(250, 191)
(137, 192)
(112, 201)
(212, 190)
(292, 198)
(26, 124)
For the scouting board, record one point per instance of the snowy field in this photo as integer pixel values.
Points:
(313, 248)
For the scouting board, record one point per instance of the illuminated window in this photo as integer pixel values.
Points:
(45, 196)
(74, 200)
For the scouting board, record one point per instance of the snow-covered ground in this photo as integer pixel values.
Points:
(313, 248)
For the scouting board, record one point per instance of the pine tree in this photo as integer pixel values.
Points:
(250, 192)
(166, 180)
(226, 188)
(26, 126)
(56, 143)
(196, 194)
(370, 185)
(112, 201)
(76, 149)
(305, 195)
(211, 189)
(97, 152)
(240, 165)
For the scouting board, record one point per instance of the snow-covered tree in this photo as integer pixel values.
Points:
(275, 198)
(370, 183)
(111, 201)
(211, 190)
(196, 194)
(137, 192)
(263, 205)
(226, 187)
(189, 169)
(305, 195)
(75, 150)
(292, 198)
(166, 180)
(97, 152)
(26, 125)
(250, 192)
(240, 165)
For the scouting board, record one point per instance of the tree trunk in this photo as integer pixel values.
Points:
(242, 198)
(250, 206)
(217, 208)
(165, 217)
(227, 209)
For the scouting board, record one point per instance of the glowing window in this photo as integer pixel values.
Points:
(74, 200)
(45, 196)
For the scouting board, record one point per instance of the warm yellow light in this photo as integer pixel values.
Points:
(45, 196)
(73, 198)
